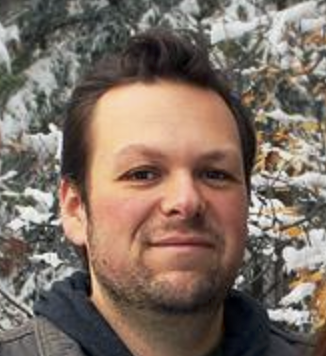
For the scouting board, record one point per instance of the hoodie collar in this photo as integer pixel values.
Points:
(68, 307)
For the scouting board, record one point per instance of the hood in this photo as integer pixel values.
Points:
(246, 327)
(68, 307)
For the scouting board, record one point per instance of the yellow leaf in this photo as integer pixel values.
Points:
(310, 126)
(294, 231)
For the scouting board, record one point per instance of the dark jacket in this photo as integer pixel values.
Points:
(66, 323)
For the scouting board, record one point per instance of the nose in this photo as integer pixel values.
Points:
(182, 197)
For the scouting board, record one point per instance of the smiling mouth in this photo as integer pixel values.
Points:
(184, 242)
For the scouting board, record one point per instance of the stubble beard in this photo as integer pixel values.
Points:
(140, 289)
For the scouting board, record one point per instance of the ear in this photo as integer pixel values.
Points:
(73, 213)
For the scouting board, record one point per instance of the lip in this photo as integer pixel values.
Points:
(183, 242)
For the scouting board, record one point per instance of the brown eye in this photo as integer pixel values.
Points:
(215, 177)
(213, 174)
(142, 174)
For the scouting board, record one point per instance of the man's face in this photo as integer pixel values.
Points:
(167, 198)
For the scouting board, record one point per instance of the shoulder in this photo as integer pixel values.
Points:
(37, 336)
(19, 341)
(290, 343)
(247, 321)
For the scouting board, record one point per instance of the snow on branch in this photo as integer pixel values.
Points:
(7, 35)
(304, 15)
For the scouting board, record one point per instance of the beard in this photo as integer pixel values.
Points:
(140, 290)
(139, 287)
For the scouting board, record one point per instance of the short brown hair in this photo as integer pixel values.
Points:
(147, 57)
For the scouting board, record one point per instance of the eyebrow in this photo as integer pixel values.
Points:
(222, 154)
(151, 152)
(139, 149)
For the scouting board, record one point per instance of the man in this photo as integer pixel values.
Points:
(156, 164)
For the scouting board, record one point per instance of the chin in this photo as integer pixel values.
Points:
(186, 293)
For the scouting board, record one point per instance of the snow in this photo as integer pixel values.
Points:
(46, 145)
(310, 179)
(21, 107)
(51, 258)
(38, 214)
(231, 12)
(45, 200)
(190, 7)
(42, 76)
(28, 215)
(310, 256)
(255, 231)
(16, 224)
(282, 116)
(12, 34)
(305, 15)
(148, 18)
(17, 114)
(8, 176)
(269, 251)
(74, 8)
(4, 56)
(284, 18)
(298, 294)
(307, 25)
(223, 31)
(100, 4)
(8, 34)
(267, 216)
(290, 316)
(59, 146)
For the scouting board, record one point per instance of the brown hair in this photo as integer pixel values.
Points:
(147, 57)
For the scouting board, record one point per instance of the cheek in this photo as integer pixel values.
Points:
(118, 218)
(235, 209)
(114, 211)
(232, 214)
(115, 222)
(236, 215)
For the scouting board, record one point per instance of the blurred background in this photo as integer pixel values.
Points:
(274, 55)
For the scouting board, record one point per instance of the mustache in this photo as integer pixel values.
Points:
(196, 225)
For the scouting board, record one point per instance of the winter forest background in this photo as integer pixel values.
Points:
(274, 53)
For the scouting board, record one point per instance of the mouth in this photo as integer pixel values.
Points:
(183, 242)
(182, 252)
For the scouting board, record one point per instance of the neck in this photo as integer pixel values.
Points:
(148, 333)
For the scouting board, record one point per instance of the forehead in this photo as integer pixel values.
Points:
(165, 114)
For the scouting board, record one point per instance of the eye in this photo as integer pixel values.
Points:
(215, 177)
(142, 174)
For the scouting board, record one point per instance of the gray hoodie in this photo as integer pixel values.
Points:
(66, 323)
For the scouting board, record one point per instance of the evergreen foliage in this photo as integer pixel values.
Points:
(278, 70)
